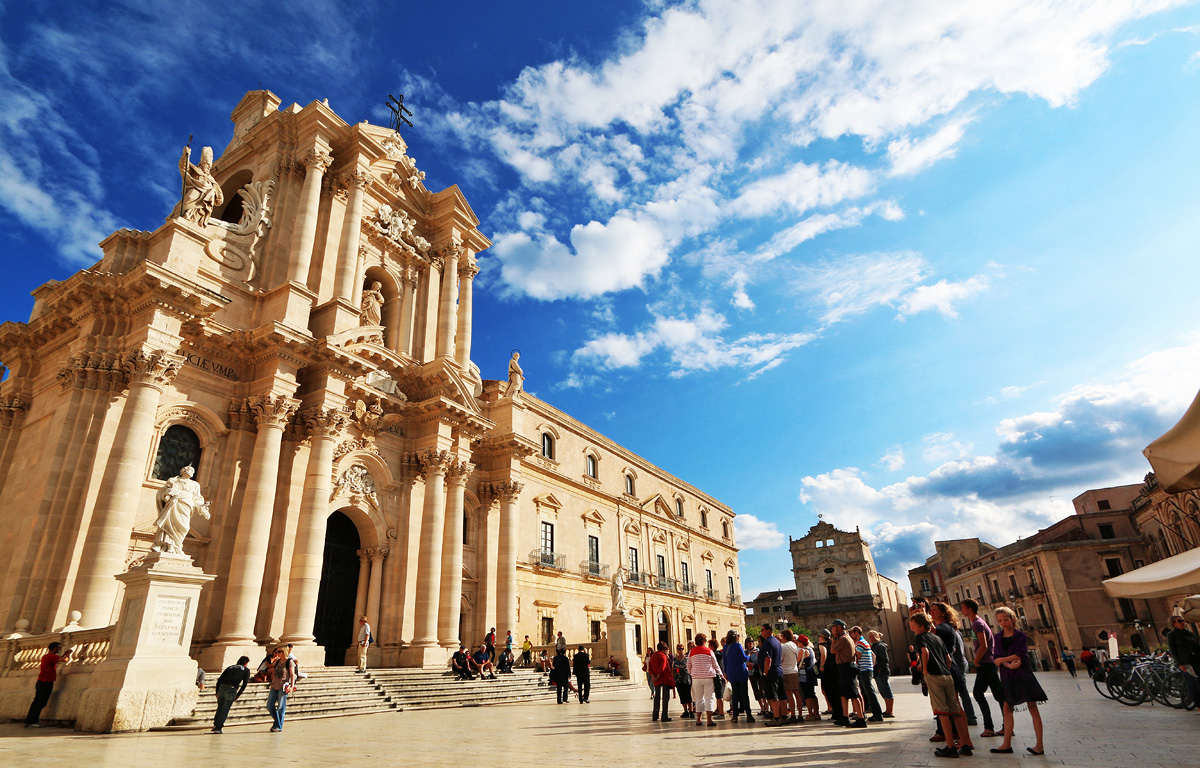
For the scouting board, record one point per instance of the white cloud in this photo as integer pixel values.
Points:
(753, 533)
(893, 460)
(941, 297)
(908, 156)
(802, 188)
(854, 284)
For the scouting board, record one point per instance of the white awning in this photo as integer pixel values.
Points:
(1175, 456)
(1172, 576)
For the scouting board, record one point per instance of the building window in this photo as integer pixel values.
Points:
(1113, 564)
(725, 528)
(547, 445)
(819, 544)
(703, 518)
(679, 507)
(548, 538)
(629, 484)
(1107, 532)
(595, 633)
(547, 630)
(633, 560)
(1102, 505)
(592, 470)
(924, 585)
(732, 591)
(594, 549)
(832, 590)
(683, 570)
(1128, 612)
(637, 639)
(179, 447)
(708, 578)
(662, 567)
(979, 593)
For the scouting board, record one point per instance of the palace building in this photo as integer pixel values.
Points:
(299, 332)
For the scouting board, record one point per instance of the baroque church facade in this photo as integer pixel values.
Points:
(299, 332)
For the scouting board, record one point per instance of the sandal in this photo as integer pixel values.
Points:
(1033, 751)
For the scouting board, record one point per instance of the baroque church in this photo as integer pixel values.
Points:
(298, 332)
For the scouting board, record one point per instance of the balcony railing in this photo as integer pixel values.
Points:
(666, 582)
(688, 589)
(540, 558)
(1034, 589)
(1014, 593)
(735, 598)
(712, 594)
(856, 603)
(995, 599)
(592, 568)
(1039, 624)
(639, 578)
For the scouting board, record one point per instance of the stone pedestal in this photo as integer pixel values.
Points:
(148, 677)
(333, 317)
(621, 646)
(422, 656)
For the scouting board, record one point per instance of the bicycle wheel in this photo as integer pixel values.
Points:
(1174, 691)
(1100, 680)
(1126, 688)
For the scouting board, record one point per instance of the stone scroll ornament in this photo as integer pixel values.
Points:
(201, 192)
(177, 501)
(235, 249)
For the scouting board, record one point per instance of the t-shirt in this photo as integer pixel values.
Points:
(790, 654)
(843, 649)
(235, 675)
(460, 660)
(508, 642)
(866, 659)
(953, 642)
(48, 672)
(771, 649)
(480, 657)
(938, 664)
(526, 646)
(984, 639)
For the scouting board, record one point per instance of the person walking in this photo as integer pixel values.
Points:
(738, 676)
(364, 640)
(1017, 681)
(230, 686)
(935, 668)
(662, 679)
(703, 669)
(283, 682)
(866, 674)
(1069, 659)
(561, 674)
(581, 665)
(44, 686)
(1089, 661)
(987, 676)
(883, 671)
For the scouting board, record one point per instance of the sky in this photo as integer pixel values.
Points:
(926, 269)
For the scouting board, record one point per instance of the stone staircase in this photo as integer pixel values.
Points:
(340, 692)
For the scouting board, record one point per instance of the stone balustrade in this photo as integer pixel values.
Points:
(20, 661)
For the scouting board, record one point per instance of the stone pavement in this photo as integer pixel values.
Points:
(1082, 729)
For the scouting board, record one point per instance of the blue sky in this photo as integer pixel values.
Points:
(924, 268)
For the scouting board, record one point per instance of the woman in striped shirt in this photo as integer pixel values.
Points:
(703, 668)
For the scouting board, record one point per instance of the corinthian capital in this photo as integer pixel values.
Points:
(272, 410)
(322, 422)
(358, 179)
(504, 490)
(467, 269)
(451, 251)
(154, 367)
(436, 462)
(317, 158)
(459, 471)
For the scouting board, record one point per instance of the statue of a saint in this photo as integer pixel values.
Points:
(618, 592)
(371, 309)
(516, 377)
(201, 193)
(178, 500)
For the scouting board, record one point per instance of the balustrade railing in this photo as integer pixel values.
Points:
(88, 647)
(540, 558)
(712, 594)
(594, 569)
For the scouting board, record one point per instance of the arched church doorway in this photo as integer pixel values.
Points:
(664, 628)
(335, 622)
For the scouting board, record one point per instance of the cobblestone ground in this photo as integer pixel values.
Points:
(1082, 729)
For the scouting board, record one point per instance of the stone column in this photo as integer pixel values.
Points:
(304, 580)
(272, 413)
(506, 562)
(429, 563)
(405, 342)
(118, 499)
(447, 320)
(348, 258)
(391, 323)
(462, 341)
(452, 554)
(378, 555)
(304, 237)
(364, 578)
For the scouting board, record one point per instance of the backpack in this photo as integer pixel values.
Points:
(679, 668)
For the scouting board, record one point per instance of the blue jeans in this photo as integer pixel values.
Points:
(276, 704)
(226, 695)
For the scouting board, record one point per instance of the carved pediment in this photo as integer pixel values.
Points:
(592, 517)
(730, 563)
(633, 527)
(659, 537)
(548, 501)
(708, 555)
(658, 505)
(683, 545)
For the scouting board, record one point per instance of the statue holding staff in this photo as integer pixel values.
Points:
(201, 193)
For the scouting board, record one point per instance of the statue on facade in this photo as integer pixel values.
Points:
(618, 592)
(371, 309)
(178, 500)
(516, 377)
(201, 193)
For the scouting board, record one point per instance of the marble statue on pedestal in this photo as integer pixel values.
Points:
(516, 377)
(178, 500)
(371, 309)
(201, 193)
(618, 592)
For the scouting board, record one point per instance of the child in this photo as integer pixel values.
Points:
(935, 668)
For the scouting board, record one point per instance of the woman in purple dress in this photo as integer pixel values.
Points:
(1017, 680)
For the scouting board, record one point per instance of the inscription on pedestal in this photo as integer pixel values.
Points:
(170, 617)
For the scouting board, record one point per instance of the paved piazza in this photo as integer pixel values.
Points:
(1081, 730)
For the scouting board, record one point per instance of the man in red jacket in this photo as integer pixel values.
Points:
(663, 678)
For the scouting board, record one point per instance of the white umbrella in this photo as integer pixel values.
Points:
(1175, 456)
(1173, 576)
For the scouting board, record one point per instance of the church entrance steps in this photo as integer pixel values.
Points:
(340, 692)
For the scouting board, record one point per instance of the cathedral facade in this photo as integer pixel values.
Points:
(299, 333)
